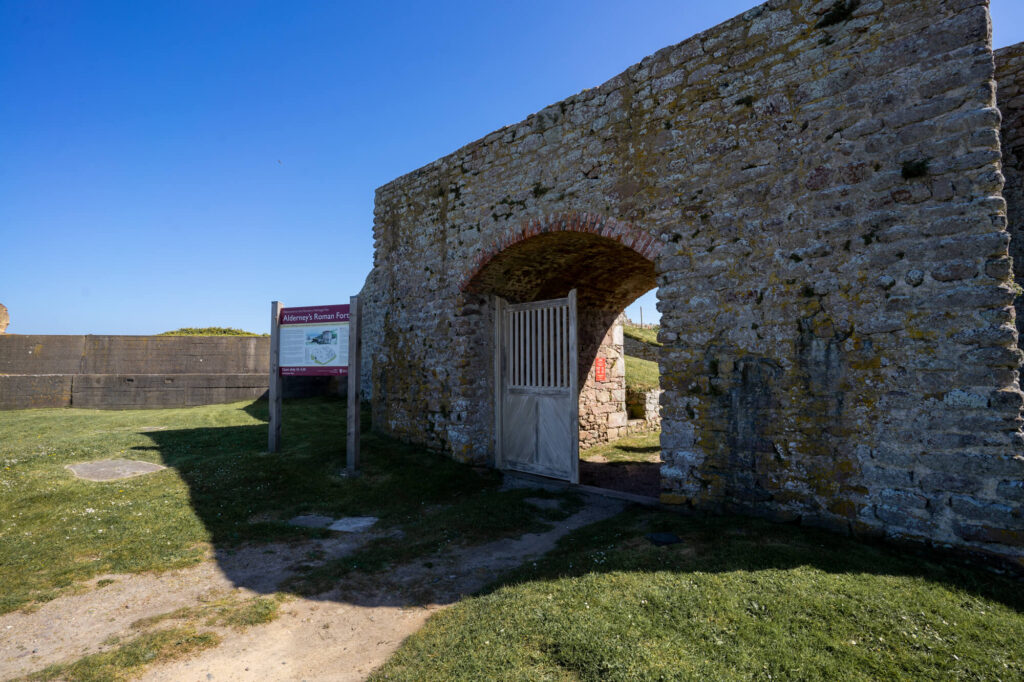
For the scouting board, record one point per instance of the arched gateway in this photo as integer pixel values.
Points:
(820, 206)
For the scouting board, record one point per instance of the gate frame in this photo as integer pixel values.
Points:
(500, 306)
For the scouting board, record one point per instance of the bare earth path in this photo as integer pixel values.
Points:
(339, 635)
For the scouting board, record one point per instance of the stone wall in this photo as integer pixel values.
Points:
(1010, 95)
(602, 404)
(125, 372)
(639, 349)
(645, 406)
(816, 193)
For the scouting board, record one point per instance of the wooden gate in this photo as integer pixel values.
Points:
(536, 400)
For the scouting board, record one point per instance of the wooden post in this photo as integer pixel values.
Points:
(355, 348)
(498, 307)
(574, 391)
(274, 432)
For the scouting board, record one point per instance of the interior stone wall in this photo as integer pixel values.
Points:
(602, 404)
(1010, 95)
(816, 187)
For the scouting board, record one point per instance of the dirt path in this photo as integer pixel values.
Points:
(338, 635)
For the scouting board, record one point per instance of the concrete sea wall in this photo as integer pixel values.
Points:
(124, 372)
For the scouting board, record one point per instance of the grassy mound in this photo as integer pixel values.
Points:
(641, 375)
(210, 331)
(641, 334)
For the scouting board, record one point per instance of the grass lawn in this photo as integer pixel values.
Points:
(642, 447)
(222, 489)
(735, 600)
(648, 336)
(641, 375)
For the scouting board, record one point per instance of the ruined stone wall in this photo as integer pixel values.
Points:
(1010, 95)
(819, 193)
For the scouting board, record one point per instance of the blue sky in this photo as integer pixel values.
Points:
(170, 164)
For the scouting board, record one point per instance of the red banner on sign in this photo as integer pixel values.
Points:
(599, 369)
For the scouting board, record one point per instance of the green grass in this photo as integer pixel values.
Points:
(125, 661)
(648, 336)
(643, 447)
(736, 600)
(641, 375)
(209, 331)
(222, 489)
(227, 611)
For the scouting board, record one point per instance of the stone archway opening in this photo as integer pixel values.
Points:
(607, 276)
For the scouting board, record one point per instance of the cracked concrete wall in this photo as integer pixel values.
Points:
(818, 192)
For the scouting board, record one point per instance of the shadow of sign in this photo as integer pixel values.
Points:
(443, 528)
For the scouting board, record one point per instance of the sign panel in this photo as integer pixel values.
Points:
(314, 341)
(599, 369)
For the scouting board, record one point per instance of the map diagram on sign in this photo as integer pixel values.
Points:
(322, 346)
(314, 345)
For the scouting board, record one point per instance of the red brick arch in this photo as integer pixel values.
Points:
(622, 232)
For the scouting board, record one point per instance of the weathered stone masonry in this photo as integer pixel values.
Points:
(1010, 95)
(816, 193)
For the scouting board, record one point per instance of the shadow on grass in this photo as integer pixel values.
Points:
(731, 544)
(643, 450)
(638, 478)
(427, 504)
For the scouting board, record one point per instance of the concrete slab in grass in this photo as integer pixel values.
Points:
(348, 524)
(353, 524)
(312, 521)
(112, 469)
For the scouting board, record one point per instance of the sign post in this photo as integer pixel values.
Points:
(355, 338)
(274, 434)
(315, 341)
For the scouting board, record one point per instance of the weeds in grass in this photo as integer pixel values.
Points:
(126, 660)
(229, 610)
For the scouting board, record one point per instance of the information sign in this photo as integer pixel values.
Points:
(322, 340)
(314, 341)
(599, 369)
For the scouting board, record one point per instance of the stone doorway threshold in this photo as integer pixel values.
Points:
(518, 479)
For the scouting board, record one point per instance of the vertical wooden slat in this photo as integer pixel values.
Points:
(552, 355)
(526, 347)
(549, 347)
(519, 347)
(515, 333)
(534, 325)
(561, 347)
(558, 345)
(534, 368)
(513, 360)
(545, 356)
